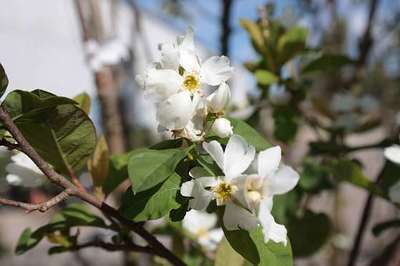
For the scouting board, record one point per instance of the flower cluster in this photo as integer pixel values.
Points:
(179, 83)
(246, 189)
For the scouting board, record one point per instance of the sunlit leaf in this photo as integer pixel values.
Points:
(99, 163)
(83, 101)
(265, 77)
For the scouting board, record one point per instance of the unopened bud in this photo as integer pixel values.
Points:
(222, 128)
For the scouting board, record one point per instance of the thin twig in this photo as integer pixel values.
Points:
(42, 207)
(366, 214)
(60, 180)
(113, 247)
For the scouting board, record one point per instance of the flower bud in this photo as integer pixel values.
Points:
(219, 99)
(222, 128)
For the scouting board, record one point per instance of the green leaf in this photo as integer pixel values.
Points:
(291, 43)
(351, 172)
(265, 77)
(309, 232)
(98, 165)
(3, 80)
(327, 62)
(285, 123)
(150, 167)
(152, 203)
(83, 101)
(249, 134)
(27, 241)
(226, 255)
(255, 32)
(253, 248)
(379, 228)
(314, 176)
(58, 130)
(117, 172)
(79, 215)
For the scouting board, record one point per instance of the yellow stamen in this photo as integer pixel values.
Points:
(223, 192)
(191, 82)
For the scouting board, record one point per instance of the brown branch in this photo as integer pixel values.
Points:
(226, 28)
(60, 180)
(42, 207)
(114, 247)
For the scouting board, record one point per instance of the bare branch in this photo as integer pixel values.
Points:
(42, 207)
(114, 247)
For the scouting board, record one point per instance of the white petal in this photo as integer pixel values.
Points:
(238, 157)
(14, 180)
(161, 83)
(222, 127)
(216, 235)
(394, 193)
(198, 220)
(219, 99)
(282, 181)
(268, 161)
(195, 189)
(270, 228)
(215, 150)
(236, 218)
(27, 176)
(187, 42)
(176, 111)
(189, 61)
(216, 70)
(169, 56)
(393, 153)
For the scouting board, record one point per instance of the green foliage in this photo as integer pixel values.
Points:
(253, 248)
(3, 80)
(314, 177)
(117, 172)
(152, 203)
(291, 43)
(58, 130)
(98, 165)
(327, 62)
(72, 216)
(149, 168)
(308, 232)
(83, 101)
(381, 227)
(249, 134)
(346, 170)
(265, 77)
(226, 255)
(285, 123)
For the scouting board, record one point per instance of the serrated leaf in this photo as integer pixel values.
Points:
(149, 168)
(98, 165)
(84, 102)
(265, 77)
(249, 134)
(327, 62)
(153, 203)
(3, 80)
(58, 130)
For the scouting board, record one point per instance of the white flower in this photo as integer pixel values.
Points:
(202, 226)
(224, 189)
(279, 95)
(219, 99)
(392, 153)
(22, 171)
(394, 193)
(222, 127)
(272, 178)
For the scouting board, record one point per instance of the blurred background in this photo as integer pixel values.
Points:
(99, 46)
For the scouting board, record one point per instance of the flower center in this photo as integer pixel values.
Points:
(201, 232)
(223, 192)
(254, 191)
(191, 82)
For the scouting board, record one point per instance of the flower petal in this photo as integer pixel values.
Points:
(216, 70)
(219, 99)
(161, 83)
(189, 61)
(394, 193)
(236, 218)
(270, 228)
(238, 157)
(195, 220)
(282, 181)
(169, 55)
(196, 189)
(215, 150)
(186, 43)
(392, 153)
(268, 161)
(176, 111)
